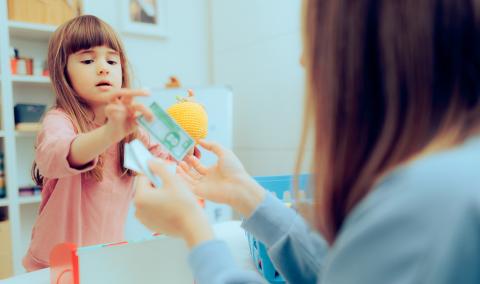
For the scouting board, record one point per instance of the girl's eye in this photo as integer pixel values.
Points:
(111, 62)
(88, 61)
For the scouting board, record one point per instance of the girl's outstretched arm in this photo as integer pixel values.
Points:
(86, 147)
(121, 121)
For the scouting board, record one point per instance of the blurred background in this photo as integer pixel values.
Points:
(249, 48)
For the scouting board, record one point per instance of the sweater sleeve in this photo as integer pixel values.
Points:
(296, 251)
(220, 267)
(53, 147)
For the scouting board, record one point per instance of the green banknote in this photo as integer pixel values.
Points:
(167, 132)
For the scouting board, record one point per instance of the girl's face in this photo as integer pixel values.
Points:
(94, 72)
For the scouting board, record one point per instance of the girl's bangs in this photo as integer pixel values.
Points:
(87, 34)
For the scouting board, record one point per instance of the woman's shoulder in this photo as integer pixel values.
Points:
(421, 225)
(451, 176)
(435, 196)
(453, 173)
(426, 214)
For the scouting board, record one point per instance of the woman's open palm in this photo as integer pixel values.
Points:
(218, 183)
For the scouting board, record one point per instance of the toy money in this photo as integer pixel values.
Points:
(167, 132)
(136, 159)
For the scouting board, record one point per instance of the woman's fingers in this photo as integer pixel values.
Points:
(141, 182)
(186, 176)
(143, 188)
(161, 169)
(191, 172)
(212, 147)
(184, 166)
(197, 165)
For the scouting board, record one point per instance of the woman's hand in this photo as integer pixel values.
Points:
(121, 112)
(172, 209)
(225, 182)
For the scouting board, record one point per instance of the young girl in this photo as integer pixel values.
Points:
(86, 191)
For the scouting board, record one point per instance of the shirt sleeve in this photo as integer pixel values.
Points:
(297, 251)
(220, 267)
(53, 146)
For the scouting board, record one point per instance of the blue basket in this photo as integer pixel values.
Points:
(258, 251)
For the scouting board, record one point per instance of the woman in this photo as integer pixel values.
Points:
(393, 93)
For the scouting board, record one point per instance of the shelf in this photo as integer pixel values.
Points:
(28, 79)
(3, 202)
(26, 134)
(30, 30)
(31, 134)
(29, 199)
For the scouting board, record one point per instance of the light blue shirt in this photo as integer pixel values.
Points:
(420, 225)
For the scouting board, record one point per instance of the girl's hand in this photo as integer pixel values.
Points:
(225, 182)
(172, 209)
(121, 112)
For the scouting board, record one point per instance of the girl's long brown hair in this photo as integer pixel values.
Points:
(80, 33)
(385, 80)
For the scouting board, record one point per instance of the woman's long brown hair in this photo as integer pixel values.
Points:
(385, 80)
(80, 33)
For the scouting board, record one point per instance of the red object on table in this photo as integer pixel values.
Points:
(64, 264)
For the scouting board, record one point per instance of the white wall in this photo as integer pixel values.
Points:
(183, 53)
(253, 46)
(256, 49)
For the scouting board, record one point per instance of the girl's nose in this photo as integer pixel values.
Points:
(102, 71)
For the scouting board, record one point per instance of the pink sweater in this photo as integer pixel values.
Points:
(76, 208)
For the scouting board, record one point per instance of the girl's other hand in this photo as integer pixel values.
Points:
(172, 209)
(121, 111)
(225, 182)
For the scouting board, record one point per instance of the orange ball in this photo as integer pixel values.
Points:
(191, 116)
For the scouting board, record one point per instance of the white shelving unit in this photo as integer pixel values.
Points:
(23, 79)
(32, 41)
(3, 202)
(30, 31)
(29, 199)
(30, 134)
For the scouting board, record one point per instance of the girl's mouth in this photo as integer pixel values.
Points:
(104, 85)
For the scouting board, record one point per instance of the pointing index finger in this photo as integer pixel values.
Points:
(126, 94)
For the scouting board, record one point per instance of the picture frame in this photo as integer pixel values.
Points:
(144, 17)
